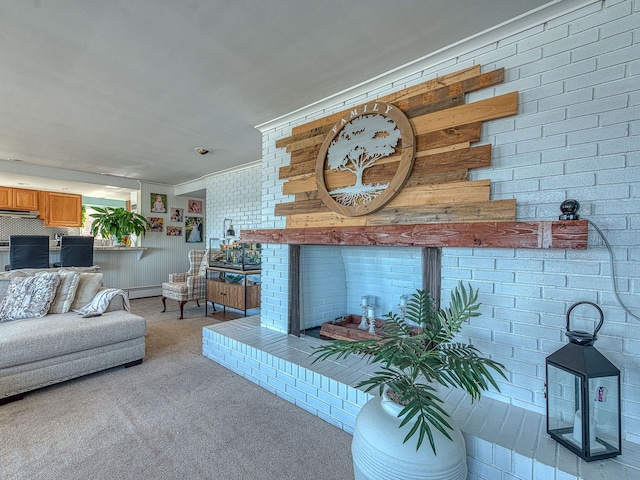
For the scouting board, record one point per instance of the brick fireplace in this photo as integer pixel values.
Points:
(501, 438)
(573, 138)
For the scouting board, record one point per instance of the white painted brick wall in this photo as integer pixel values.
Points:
(586, 151)
(323, 293)
(577, 135)
(234, 195)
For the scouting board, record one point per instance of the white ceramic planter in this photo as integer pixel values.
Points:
(118, 241)
(379, 454)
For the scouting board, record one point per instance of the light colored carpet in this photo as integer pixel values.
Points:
(178, 415)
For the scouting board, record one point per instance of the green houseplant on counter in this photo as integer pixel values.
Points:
(412, 362)
(117, 223)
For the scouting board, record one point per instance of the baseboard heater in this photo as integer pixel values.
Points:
(144, 291)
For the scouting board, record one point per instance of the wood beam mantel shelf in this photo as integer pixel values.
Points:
(571, 234)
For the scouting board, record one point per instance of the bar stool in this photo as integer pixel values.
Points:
(76, 251)
(28, 251)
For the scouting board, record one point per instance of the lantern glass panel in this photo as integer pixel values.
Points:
(603, 398)
(563, 400)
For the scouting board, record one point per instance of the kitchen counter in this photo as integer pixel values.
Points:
(119, 265)
(97, 249)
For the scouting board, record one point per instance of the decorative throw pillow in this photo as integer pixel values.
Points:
(66, 292)
(29, 297)
(4, 286)
(88, 286)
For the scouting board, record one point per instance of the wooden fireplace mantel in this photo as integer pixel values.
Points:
(544, 234)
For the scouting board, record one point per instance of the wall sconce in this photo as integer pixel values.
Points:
(583, 396)
(228, 232)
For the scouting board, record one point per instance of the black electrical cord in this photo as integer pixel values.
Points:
(613, 271)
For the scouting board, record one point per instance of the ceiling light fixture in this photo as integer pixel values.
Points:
(201, 150)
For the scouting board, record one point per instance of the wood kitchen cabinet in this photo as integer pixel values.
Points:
(6, 197)
(19, 199)
(240, 296)
(56, 209)
(61, 209)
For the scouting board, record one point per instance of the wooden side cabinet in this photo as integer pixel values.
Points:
(239, 296)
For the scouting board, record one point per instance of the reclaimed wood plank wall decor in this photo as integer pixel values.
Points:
(437, 154)
(430, 201)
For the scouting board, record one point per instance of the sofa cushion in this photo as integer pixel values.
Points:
(88, 286)
(29, 272)
(66, 292)
(35, 339)
(29, 297)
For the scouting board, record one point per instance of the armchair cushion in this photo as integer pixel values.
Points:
(175, 291)
(177, 277)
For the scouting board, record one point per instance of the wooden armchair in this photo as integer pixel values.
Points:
(190, 285)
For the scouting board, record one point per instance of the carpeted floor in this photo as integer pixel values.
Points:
(178, 415)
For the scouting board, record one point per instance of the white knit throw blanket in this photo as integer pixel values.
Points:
(101, 301)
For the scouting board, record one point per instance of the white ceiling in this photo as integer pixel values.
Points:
(130, 88)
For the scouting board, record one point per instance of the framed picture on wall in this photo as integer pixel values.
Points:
(174, 231)
(158, 203)
(155, 224)
(176, 214)
(194, 205)
(194, 229)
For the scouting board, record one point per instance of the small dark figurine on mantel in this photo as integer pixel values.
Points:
(569, 209)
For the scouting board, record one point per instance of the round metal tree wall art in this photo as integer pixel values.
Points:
(371, 135)
(359, 144)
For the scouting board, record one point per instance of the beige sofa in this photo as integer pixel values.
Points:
(43, 350)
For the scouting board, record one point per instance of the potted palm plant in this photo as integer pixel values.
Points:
(118, 224)
(416, 354)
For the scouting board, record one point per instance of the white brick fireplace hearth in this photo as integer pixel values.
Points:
(503, 441)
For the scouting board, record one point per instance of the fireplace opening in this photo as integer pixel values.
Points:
(328, 281)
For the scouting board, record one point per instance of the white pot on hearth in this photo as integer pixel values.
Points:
(413, 363)
(379, 452)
